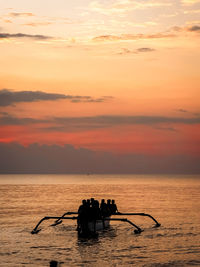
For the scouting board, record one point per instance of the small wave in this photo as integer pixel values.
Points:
(194, 263)
(166, 264)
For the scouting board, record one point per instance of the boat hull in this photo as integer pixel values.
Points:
(98, 225)
(92, 228)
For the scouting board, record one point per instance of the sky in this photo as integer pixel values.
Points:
(112, 77)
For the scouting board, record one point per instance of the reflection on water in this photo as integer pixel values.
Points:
(174, 201)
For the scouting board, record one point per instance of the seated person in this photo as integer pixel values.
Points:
(104, 209)
(113, 207)
(83, 216)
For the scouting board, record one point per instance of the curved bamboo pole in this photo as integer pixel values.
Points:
(36, 230)
(117, 213)
(138, 229)
(58, 221)
(140, 214)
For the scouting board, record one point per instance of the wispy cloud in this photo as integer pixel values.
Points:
(20, 14)
(36, 24)
(126, 51)
(9, 97)
(171, 129)
(124, 6)
(190, 2)
(171, 33)
(127, 37)
(182, 110)
(24, 35)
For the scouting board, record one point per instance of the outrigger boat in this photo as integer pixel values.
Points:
(93, 226)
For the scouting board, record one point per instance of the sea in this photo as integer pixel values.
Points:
(173, 200)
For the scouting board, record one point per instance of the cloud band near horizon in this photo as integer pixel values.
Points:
(93, 122)
(9, 97)
(35, 158)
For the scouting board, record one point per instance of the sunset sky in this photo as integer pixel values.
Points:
(113, 76)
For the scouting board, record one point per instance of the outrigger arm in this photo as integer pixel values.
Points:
(140, 214)
(138, 230)
(59, 220)
(36, 230)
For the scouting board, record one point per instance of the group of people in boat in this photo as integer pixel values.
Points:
(91, 210)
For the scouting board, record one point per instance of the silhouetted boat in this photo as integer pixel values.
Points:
(93, 226)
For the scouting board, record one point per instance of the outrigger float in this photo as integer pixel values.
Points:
(93, 226)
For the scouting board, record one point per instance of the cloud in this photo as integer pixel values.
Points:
(23, 35)
(126, 51)
(11, 120)
(7, 21)
(171, 33)
(95, 122)
(9, 97)
(195, 28)
(36, 24)
(124, 6)
(21, 14)
(190, 2)
(193, 11)
(129, 37)
(171, 129)
(145, 49)
(182, 110)
(109, 121)
(35, 158)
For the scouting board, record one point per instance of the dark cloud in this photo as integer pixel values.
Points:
(195, 28)
(86, 123)
(108, 121)
(95, 122)
(35, 158)
(70, 124)
(12, 120)
(23, 35)
(9, 97)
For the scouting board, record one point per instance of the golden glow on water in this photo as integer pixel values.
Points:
(173, 201)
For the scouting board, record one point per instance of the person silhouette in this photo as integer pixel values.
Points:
(82, 220)
(113, 207)
(53, 264)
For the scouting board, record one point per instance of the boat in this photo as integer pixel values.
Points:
(98, 225)
(92, 227)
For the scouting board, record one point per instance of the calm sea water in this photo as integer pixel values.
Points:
(173, 200)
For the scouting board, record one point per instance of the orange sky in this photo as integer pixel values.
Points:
(126, 73)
